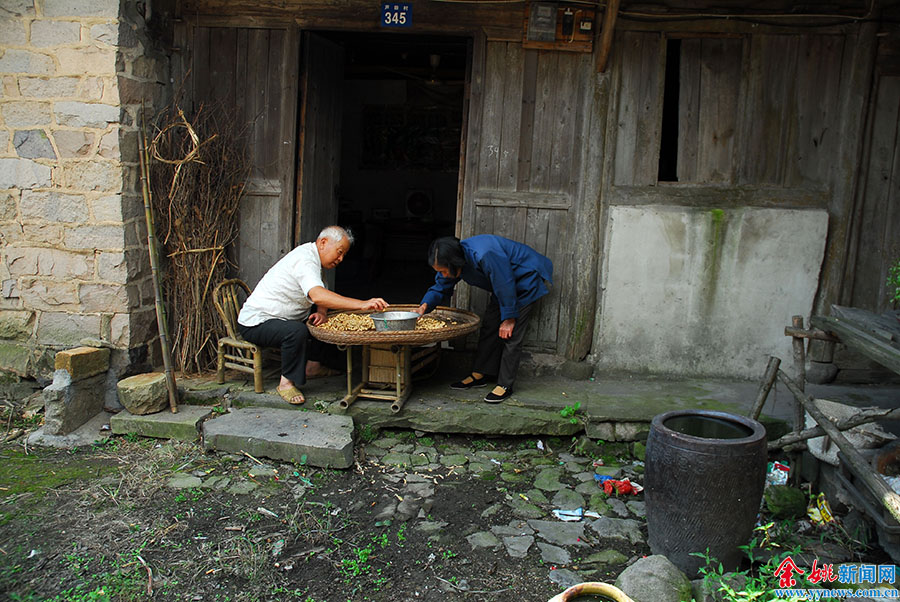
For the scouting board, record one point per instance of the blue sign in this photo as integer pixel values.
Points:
(396, 14)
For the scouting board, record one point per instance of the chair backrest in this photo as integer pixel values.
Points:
(228, 297)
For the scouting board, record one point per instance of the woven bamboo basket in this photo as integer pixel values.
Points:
(459, 322)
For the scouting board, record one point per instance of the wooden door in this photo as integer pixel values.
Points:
(523, 176)
(253, 70)
(320, 136)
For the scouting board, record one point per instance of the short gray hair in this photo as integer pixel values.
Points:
(336, 234)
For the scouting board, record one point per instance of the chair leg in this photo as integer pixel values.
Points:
(220, 368)
(257, 370)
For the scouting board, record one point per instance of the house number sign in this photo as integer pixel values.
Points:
(396, 14)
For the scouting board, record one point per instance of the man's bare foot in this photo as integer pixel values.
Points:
(319, 370)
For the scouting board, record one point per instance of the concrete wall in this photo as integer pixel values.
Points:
(705, 292)
(73, 259)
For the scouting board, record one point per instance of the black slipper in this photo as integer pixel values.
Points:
(493, 398)
(476, 382)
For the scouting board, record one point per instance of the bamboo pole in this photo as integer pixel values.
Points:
(161, 321)
(855, 461)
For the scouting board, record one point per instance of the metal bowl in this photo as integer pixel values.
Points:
(395, 320)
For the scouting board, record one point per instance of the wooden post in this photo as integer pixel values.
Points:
(888, 498)
(765, 386)
(799, 349)
(606, 34)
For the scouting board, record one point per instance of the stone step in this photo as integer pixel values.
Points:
(183, 426)
(290, 435)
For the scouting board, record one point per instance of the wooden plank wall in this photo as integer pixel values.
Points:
(245, 68)
(878, 238)
(528, 163)
(754, 111)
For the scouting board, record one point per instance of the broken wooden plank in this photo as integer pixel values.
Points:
(864, 416)
(855, 461)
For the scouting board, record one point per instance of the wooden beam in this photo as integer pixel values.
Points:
(870, 345)
(606, 34)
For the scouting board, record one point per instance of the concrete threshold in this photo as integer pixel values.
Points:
(609, 408)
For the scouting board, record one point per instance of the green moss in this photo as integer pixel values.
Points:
(33, 475)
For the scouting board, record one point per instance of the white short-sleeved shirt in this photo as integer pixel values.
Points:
(283, 293)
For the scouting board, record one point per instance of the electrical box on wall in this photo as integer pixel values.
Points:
(559, 26)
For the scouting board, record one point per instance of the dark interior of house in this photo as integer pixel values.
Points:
(400, 154)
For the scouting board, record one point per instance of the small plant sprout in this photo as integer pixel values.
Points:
(569, 412)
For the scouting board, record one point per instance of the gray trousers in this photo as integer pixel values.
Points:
(496, 356)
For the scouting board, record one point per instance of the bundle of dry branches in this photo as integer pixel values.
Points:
(199, 168)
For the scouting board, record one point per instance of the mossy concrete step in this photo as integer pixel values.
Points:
(183, 426)
(294, 436)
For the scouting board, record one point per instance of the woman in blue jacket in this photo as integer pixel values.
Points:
(516, 275)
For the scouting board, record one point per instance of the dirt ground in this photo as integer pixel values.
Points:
(104, 523)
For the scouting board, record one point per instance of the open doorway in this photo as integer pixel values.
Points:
(402, 100)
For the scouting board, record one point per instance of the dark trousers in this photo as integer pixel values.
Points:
(292, 336)
(500, 356)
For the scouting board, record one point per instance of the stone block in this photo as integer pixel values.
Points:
(23, 173)
(26, 113)
(288, 435)
(183, 426)
(85, 114)
(48, 87)
(46, 32)
(82, 362)
(64, 329)
(108, 9)
(109, 145)
(68, 405)
(41, 261)
(95, 237)
(103, 297)
(51, 295)
(42, 233)
(105, 33)
(94, 88)
(33, 144)
(632, 431)
(17, 8)
(16, 324)
(101, 176)
(73, 143)
(144, 393)
(54, 207)
(107, 208)
(8, 205)
(87, 61)
(12, 32)
(24, 61)
(604, 431)
(15, 358)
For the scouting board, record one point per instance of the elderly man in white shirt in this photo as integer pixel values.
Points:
(275, 314)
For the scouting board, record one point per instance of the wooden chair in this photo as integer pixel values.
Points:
(234, 352)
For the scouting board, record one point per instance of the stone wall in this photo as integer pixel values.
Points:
(73, 259)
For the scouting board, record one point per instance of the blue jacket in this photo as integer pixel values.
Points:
(514, 272)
